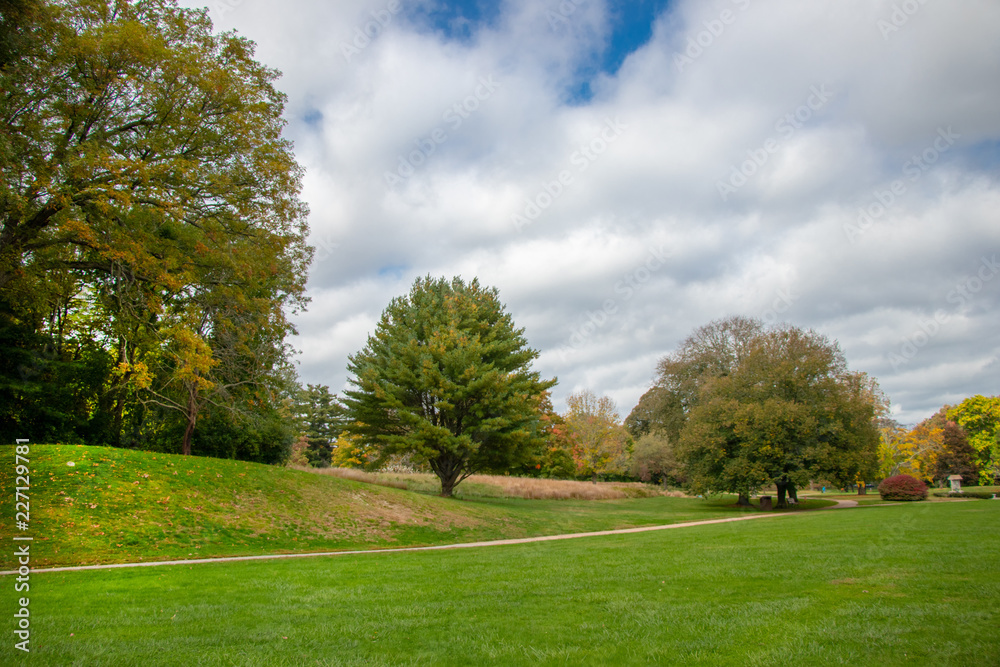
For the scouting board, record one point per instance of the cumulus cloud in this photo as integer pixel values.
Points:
(830, 164)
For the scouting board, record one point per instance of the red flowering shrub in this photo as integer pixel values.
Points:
(902, 487)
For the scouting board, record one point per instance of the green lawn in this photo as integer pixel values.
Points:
(873, 498)
(907, 585)
(117, 505)
(870, 498)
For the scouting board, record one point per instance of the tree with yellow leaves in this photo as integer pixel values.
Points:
(979, 417)
(150, 224)
(601, 444)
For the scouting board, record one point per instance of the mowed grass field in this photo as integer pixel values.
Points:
(911, 584)
(116, 505)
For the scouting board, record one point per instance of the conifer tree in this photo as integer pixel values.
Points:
(446, 377)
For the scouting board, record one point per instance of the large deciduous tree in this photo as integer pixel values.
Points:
(957, 457)
(446, 377)
(713, 350)
(914, 452)
(756, 406)
(151, 224)
(979, 417)
(601, 445)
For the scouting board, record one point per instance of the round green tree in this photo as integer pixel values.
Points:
(447, 378)
(766, 405)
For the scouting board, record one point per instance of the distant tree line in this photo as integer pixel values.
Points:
(961, 439)
(445, 382)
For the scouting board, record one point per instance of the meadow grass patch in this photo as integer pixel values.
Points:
(906, 585)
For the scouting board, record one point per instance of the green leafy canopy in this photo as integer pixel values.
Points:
(446, 377)
(757, 406)
(150, 212)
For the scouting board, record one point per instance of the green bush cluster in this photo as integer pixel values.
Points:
(987, 495)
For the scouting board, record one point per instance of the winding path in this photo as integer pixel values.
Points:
(841, 504)
(465, 545)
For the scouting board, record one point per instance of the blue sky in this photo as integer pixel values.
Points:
(642, 168)
(629, 26)
(459, 21)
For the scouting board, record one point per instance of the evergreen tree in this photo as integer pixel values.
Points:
(322, 417)
(447, 378)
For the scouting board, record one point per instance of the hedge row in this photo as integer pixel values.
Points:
(970, 494)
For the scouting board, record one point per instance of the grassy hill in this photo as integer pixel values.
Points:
(115, 505)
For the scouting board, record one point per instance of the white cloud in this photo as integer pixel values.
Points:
(776, 248)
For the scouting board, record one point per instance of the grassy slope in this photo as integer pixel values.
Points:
(120, 505)
(904, 585)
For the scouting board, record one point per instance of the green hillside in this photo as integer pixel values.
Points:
(117, 505)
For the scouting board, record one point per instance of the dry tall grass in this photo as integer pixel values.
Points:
(564, 489)
(506, 487)
(356, 475)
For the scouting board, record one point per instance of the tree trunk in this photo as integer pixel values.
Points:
(192, 416)
(743, 500)
(186, 444)
(448, 469)
(119, 388)
(782, 490)
(118, 418)
(448, 485)
(793, 493)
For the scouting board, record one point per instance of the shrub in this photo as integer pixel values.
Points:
(985, 495)
(966, 493)
(902, 487)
